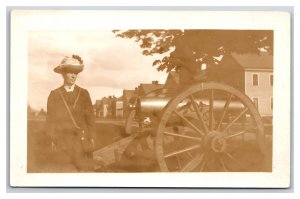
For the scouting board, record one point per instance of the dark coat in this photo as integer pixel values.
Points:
(59, 122)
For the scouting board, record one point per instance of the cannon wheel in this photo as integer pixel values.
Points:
(225, 141)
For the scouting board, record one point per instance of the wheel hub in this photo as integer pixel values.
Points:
(214, 141)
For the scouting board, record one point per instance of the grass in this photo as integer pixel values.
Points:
(40, 158)
(39, 155)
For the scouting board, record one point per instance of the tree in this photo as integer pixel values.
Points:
(42, 112)
(192, 48)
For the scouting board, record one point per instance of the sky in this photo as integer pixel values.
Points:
(111, 64)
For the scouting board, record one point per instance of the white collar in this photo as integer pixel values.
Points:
(69, 88)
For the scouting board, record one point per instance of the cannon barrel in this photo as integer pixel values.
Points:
(150, 105)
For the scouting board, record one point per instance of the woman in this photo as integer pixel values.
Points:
(70, 119)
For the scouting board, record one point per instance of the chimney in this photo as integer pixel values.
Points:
(155, 82)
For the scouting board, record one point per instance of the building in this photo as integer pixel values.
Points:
(258, 80)
(127, 96)
(101, 107)
(148, 89)
(106, 107)
(119, 108)
(252, 74)
(172, 83)
(112, 107)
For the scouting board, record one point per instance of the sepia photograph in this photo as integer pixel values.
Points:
(154, 100)
(210, 111)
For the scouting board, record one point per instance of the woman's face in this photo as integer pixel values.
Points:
(69, 77)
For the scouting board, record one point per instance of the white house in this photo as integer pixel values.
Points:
(258, 80)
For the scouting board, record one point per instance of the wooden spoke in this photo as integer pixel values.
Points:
(193, 163)
(183, 136)
(203, 108)
(189, 107)
(178, 162)
(183, 150)
(252, 129)
(199, 114)
(211, 111)
(189, 123)
(224, 111)
(222, 163)
(202, 165)
(235, 119)
(236, 134)
(189, 154)
(233, 146)
(235, 160)
(184, 107)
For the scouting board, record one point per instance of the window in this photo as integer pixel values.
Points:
(255, 101)
(271, 79)
(255, 79)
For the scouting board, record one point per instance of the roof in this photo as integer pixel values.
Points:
(254, 61)
(103, 100)
(128, 93)
(174, 75)
(150, 87)
(172, 80)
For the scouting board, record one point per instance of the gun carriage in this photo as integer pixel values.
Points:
(203, 126)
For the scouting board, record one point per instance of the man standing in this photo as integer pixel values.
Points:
(70, 119)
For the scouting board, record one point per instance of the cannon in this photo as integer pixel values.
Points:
(206, 126)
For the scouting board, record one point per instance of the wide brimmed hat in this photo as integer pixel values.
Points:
(74, 64)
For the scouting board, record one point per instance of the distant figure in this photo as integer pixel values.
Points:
(70, 120)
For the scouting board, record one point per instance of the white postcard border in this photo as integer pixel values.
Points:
(22, 22)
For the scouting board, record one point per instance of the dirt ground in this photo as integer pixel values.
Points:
(40, 158)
